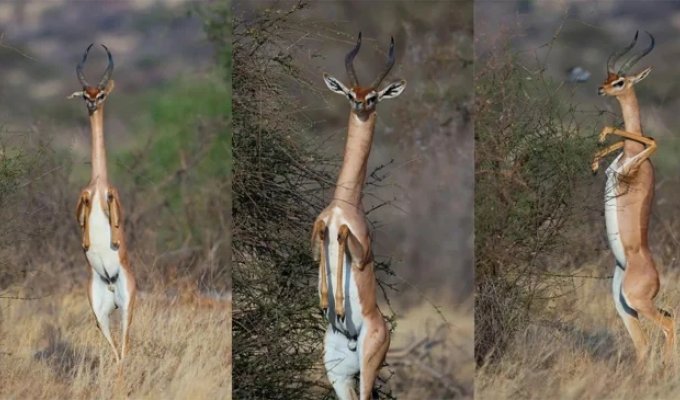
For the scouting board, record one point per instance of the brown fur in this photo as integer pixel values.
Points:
(361, 92)
(91, 92)
(354, 238)
(641, 278)
(111, 205)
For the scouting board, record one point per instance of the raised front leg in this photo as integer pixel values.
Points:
(603, 153)
(319, 251)
(609, 130)
(343, 234)
(82, 215)
(641, 157)
(115, 218)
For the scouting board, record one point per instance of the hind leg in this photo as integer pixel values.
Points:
(640, 290)
(341, 363)
(374, 341)
(629, 317)
(649, 311)
(102, 302)
(126, 294)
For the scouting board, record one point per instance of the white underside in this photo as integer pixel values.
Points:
(611, 211)
(343, 364)
(613, 234)
(342, 355)
(353, 312)
(105, 260)
(102, 257)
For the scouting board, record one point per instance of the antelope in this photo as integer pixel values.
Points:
(357, 337)
(629, 191)
(99, 214)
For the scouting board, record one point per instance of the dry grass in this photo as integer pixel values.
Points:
(431, 355)
(50, 348)
(587, 354)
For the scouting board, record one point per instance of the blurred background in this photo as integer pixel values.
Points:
(547, 326)
(418, 196)
(168, 138)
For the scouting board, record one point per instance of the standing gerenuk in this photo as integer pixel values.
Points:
(99, 213)
(357, 337)
(628, 199)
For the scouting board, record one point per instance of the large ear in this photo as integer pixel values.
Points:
(110, 86)
(392, 90)
(642, 75)
(335, 85)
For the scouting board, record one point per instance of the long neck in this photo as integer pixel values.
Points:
(631, 111)
(631, 119)
(357, 148)
(99, 174)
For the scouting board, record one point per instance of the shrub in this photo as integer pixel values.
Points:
(532, 163)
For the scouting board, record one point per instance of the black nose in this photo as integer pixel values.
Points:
(600, 91)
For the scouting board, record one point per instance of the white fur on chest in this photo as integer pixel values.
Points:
(102, 257)
(353, 312)
(611, 211)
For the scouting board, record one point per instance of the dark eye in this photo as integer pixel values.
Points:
(370, 100)
(618, 84)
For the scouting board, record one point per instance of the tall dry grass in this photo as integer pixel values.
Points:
(51, 348)
(583, 351)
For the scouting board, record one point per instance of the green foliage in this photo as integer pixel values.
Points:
(532, 160)
(186, 158)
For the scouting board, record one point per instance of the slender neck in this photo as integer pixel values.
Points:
(631, 111)
(99, 174)
(357, 148)
(631, 120)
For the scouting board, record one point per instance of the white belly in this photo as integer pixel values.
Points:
(610, 212)
(353, 313)
(101, 256)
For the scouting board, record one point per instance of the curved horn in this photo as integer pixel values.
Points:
(79, 67)
(614, 57)
(626, 66)
(388, 67)
(349, 63)
(109, 70)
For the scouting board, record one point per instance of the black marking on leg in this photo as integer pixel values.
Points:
(352, 343)
(620, 266)
(108, 279)
(628, 309)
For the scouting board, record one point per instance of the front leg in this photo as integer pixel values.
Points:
(115, 219)
(608, 130)
(83, 215)
(319, 250)
(639, 158)
(603, 153)
(343, 234)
